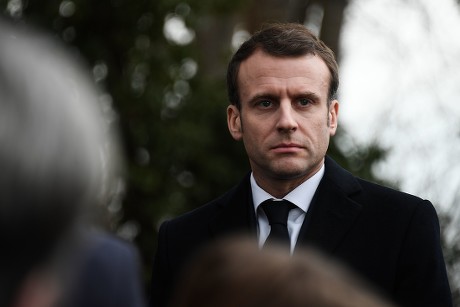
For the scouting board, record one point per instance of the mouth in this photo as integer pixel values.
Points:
(287, 148)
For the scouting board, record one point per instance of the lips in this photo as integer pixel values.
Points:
(287, 148)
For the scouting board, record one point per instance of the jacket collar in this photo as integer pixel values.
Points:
(332, 211)
(236, 215)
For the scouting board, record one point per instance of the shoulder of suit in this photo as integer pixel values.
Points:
(386, 192)
(356, 187)
(213, 207)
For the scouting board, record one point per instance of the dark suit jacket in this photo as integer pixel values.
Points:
(388, 237)
(107, 274)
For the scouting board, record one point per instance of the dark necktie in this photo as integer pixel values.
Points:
(277, 213)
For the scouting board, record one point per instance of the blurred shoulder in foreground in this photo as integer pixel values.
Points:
(107, 275)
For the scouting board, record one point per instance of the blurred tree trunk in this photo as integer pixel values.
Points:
(214, 31)
(328, 13)
(332, 23)
(214, 35)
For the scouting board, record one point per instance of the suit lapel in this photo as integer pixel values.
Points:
(330, 216)
(237, 214)
(332, 211)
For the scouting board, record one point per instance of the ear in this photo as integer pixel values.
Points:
(333, 114)
(234, 122)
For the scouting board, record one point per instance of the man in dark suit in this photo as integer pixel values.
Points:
(282, 86)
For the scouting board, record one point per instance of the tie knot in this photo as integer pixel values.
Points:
(277, 211)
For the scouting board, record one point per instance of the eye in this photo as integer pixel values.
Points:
(265, 103)
(304, 101)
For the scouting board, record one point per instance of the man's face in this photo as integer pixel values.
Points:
(284, 120)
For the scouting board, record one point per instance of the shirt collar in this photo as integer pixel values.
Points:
(301, 196)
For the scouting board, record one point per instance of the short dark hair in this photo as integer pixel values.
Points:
(282, 40)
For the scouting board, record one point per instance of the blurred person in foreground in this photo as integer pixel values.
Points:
(235, 272)
(58, 164)
(282, 86)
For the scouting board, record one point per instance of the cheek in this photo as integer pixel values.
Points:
(317, 132)
(254, 135)
(251, 128)
(317, 126)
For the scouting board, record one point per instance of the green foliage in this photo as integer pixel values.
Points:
(178, 151)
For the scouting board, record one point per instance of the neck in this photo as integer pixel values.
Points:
(279, 187)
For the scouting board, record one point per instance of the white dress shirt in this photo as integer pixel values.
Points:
(301, 196)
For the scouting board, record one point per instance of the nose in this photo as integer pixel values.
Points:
(286, 119)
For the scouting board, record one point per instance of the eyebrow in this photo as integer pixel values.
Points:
(262, 96)
(310, 95)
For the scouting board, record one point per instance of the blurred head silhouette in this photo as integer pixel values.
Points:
(57, 158)
(235, 272)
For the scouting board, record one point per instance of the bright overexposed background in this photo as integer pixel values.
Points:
(400, 74)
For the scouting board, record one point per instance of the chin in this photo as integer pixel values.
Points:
(288, 174)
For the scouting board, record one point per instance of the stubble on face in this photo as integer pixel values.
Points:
(279, 174)
(285, 141)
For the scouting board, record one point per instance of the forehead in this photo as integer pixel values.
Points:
(263, 71)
